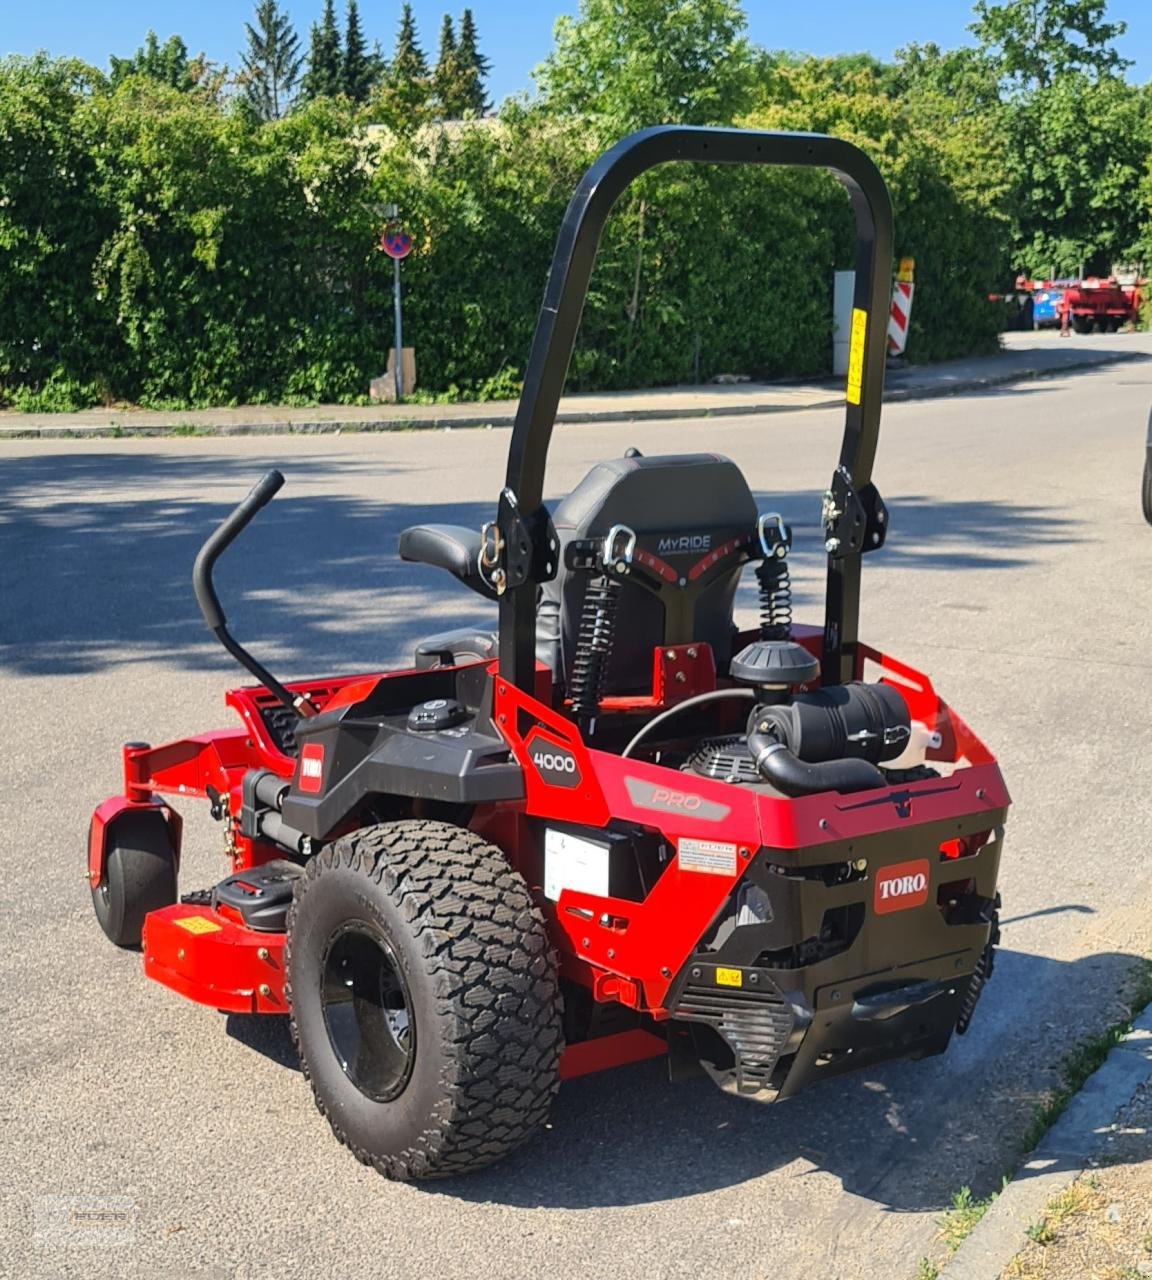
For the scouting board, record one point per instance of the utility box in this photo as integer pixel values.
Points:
(383, 388)
(843, 292)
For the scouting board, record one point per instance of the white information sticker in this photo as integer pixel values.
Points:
(571, 862)
(711, 856)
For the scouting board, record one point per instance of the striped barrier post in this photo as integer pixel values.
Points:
(901, 311)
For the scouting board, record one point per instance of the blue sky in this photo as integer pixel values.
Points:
(514, 35)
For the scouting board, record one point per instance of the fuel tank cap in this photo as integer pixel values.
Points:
(438, 713)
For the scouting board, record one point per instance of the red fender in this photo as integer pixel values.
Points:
(103, 824)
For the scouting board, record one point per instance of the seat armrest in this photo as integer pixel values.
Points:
(447, 546)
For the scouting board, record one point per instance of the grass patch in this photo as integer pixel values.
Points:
(1086, 1058)
(960, 1220)
(1078, 1198)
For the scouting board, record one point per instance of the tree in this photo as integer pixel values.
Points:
(473, 68)
(446, 76)
(631, 63)
(359, 71)
(1075, 132)
(1035, 41)
(167, 63)
(1078, 150)
(403, 96)
(271, 64)
(324, 77)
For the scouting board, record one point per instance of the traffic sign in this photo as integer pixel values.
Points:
(396, 242)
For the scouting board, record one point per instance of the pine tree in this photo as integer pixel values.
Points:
(474, 67)
(359, 73)
(168, 63)
(271, 63)
(324, 77)
(406, 88)
(446, 77)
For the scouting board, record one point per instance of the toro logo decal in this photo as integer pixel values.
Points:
(311, 767)
(553, 761)
(902, 886)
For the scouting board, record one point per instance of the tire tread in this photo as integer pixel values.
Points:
(485, 947)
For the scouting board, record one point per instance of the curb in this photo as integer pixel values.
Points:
(1060, 1158)
(571, 417)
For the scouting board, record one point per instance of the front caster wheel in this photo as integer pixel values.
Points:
(424, 998)
(139, 875)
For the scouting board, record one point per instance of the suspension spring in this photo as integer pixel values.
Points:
(775, 599)
(594, 646)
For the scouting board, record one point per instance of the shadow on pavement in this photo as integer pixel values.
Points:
(900, 1135)
(96, 551)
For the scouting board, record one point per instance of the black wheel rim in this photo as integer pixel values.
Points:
(367, 1011)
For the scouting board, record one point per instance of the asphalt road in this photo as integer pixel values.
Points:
(1016, 574)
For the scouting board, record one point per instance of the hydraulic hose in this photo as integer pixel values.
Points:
(796, 777)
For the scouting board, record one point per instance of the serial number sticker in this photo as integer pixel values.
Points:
(729, 978)
(856, 356)
(711, 856)
(198, 924)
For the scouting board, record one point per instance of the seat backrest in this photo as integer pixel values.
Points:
(682, 509)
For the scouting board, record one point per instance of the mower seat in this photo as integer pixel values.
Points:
(680, 507)
(447, 546)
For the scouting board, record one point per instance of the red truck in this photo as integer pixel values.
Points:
(1092, 305)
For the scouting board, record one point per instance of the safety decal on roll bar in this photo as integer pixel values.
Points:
(856, 355)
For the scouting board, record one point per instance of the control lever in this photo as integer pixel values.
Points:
(229, 530)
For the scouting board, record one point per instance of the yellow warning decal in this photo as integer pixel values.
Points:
(198, 924)
(729, 978)
(856, 355)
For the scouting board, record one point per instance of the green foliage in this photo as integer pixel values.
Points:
(159, 246)
(1076, 134)
(359, 73)
(446, 76)
(271, 65)
(325, 75)
(1037, 41)
(458, 79)
(625, 64)
(403, 98)
(473, 68)
(941, 164)
(167, 63)
(54, 334)
(1078, 149)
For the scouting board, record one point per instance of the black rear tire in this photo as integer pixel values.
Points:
(424, 999)
(1146, 489)
(139, 875)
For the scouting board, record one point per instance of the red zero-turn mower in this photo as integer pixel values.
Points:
(619, 829)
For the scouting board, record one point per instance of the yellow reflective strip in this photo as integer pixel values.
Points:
(856, 355)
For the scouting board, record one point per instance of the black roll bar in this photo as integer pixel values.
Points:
(520, 515)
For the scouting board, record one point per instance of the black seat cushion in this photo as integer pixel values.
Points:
(447, 546)
(680, 507)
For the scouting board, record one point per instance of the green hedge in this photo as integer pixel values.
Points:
(157, 249)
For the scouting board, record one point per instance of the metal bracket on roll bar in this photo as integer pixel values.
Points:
(515, 549)
(854, 521)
